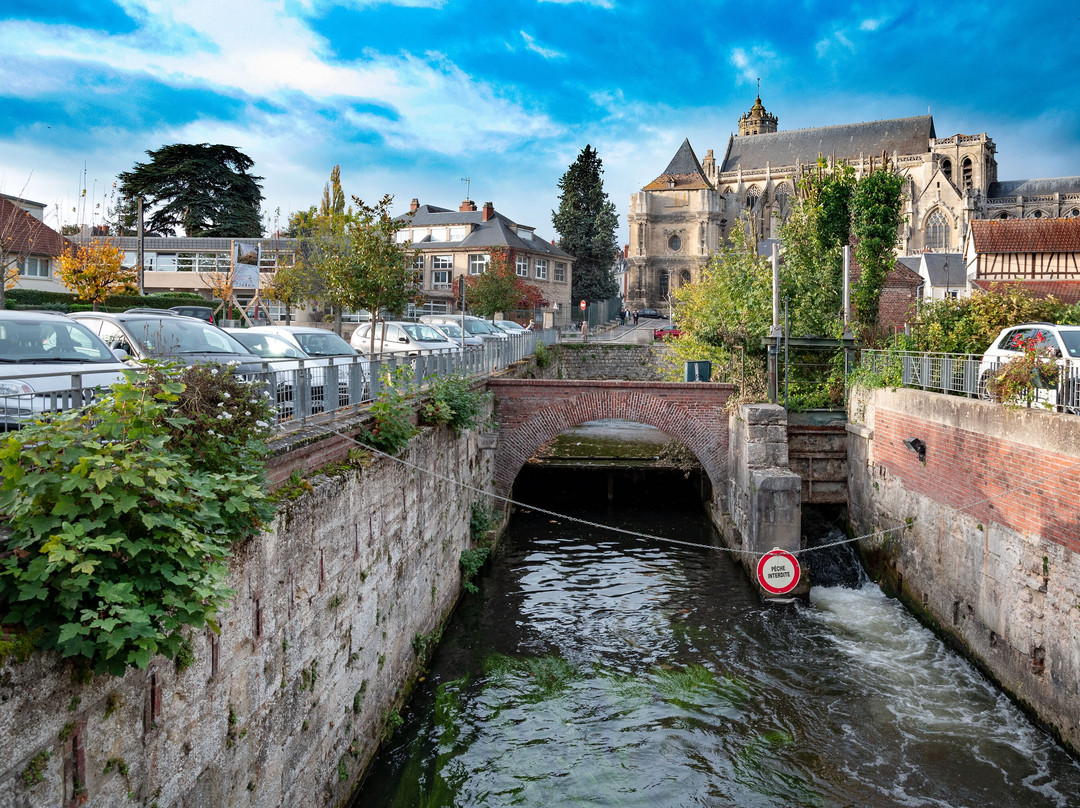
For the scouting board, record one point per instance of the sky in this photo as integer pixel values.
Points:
(442, 100)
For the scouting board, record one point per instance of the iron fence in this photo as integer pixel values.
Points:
(968, 375)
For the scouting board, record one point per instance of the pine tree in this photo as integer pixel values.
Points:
(586, 224)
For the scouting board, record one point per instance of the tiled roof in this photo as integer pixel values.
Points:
(844, 142)
(1026, 235)
(1068, 292)
(683, 172)
(1010, 189)
(497, 231)
(22, 234)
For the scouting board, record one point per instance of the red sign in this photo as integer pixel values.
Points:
(778, 572)
(583, 305)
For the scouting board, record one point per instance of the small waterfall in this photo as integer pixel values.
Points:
(837, 565)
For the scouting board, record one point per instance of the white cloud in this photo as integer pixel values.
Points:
(751, 65)
(547, 53)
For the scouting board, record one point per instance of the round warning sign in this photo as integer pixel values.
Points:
(583, 305)
(778, 572)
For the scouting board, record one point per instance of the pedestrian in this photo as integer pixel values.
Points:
(635, 316)
(622, 316)
(584, 331)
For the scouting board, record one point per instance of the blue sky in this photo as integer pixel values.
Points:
(410, 97)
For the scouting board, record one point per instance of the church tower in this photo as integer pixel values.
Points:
(757, 121)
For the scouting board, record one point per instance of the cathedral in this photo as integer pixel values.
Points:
(685, 214)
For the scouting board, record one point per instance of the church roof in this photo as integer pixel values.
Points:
(1026, 235)
(1042, 187)
(683, 172)
(845, 142)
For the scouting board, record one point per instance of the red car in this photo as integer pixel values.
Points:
(666, 331)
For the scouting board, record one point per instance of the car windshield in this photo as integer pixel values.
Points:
(423, 333)
(323, 343)
(268, 346)
(172, 336)
(450, 330)
(480, 327)
(50, 340)
(1072, 342)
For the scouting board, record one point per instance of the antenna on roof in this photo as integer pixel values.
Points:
(468, 184)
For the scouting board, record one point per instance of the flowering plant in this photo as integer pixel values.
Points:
(1020, 380)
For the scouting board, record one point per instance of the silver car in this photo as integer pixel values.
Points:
(49, 363)
(395, 337)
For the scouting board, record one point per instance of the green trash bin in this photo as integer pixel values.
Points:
(699, 371)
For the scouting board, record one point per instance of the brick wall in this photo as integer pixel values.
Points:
(988, 549)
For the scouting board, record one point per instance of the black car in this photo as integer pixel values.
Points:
(649, 313)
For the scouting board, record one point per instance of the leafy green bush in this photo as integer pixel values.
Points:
(471, 562)
(122, 515)
(392, 413)
(543, 355)
(452, 400)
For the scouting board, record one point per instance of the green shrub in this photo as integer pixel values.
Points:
(122, 515)
(392, 414)
(543, 355)
(471, 562)
(452, 400)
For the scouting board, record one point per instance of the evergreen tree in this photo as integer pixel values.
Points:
(203, 188)
(586, 224)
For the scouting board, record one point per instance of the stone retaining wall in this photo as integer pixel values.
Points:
(287, 705)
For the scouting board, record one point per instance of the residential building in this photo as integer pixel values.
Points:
(678, 219)
(455, 244)
(29, 244)
(1040, 254)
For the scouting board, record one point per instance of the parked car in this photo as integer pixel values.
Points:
(288, 360)
(397, 337)
(309, 339)
(1061, 342)
(653, 313)
(666, 331)
(510, 327)
(168, 336)
(49, 363)
(453, 333)
(474, 326)
(205, 313)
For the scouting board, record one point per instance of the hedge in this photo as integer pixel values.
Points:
(66, 301)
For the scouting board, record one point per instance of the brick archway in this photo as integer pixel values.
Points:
(532, 412)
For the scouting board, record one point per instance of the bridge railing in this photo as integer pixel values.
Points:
(964, 375)
(317, 390)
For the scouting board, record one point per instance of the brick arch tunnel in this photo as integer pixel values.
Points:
(532, 412)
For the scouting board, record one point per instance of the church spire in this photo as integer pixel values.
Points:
(757, 121)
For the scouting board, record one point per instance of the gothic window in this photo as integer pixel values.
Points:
(946, 169)
(1036, 214)
(966, 167)
(674, 243)
(1003, 215)
(937, 231)
(1074, 213)
(684, 277)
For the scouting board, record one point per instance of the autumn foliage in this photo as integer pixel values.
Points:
(95, 270)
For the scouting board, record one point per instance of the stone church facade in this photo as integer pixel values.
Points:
(685, 214)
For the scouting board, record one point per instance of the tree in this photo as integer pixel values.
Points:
(287, 286)
(499, 288)
(203, 188)
(875, 229)
(96, 270)
(586, 223)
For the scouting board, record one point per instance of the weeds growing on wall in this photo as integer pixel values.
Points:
(122, 515)
(392, 413)
(454, 401)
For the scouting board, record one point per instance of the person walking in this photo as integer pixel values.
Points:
(635, 316)
(584, 331)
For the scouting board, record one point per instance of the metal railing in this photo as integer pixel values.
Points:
(967, 375)
(314, 389)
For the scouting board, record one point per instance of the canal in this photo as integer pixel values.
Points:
(596, 668)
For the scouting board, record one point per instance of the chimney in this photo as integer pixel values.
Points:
(489, 210)
(626, 251)
(467, 206)
(414, 205)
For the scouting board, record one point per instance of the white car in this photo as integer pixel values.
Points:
(396, 337)
(1060, 342)
(312, 341)
(474, 326)
(49, 363)
(454, 334)
(288, 360)
(510, 326)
